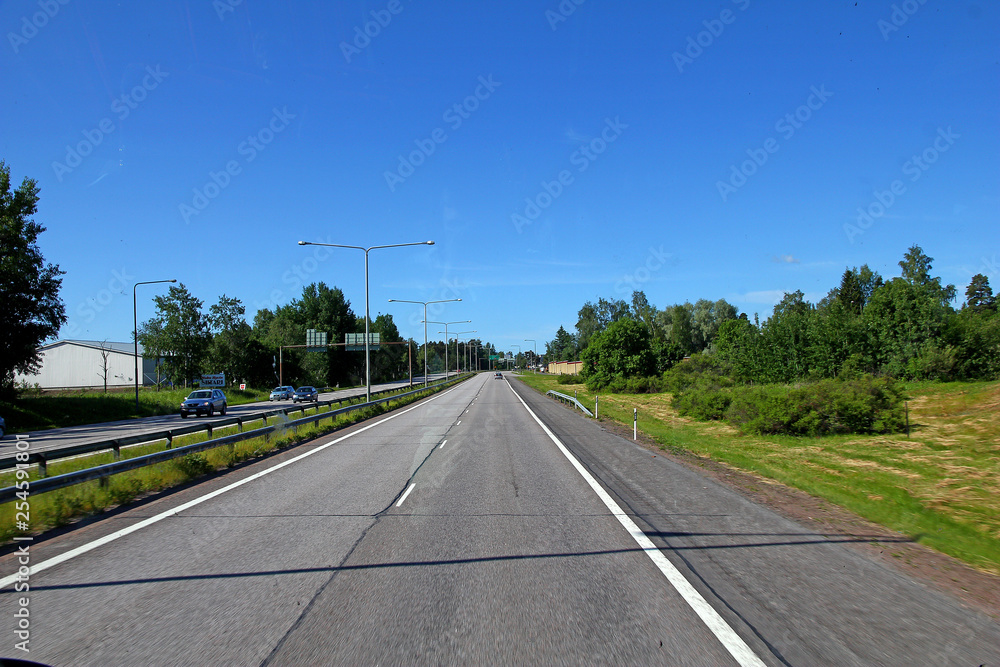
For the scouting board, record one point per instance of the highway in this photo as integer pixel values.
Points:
(88, 433)
(484, 525)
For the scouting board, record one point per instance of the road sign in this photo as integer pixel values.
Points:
(315, 340)
(356, 341)
(494, 357)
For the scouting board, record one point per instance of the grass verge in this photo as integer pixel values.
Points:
(940, 486)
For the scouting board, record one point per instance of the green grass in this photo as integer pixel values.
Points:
(58, 508)
(940, 486)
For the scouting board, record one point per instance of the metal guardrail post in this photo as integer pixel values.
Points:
(209, 428)
(43, 467)
(117, 449)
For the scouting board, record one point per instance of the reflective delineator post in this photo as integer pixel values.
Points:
(635, 424)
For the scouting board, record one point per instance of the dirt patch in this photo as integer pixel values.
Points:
(977, 589)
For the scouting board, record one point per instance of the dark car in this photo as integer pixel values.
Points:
(3, 427)
(204, 402)
(305, 394)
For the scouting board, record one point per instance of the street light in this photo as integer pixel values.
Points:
(457, 333)
(368, 367)
(529, 340)
(446, 340)
(425, 325)
(135, 333)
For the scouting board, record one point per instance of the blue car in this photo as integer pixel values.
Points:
(3, 427)
(304, 394)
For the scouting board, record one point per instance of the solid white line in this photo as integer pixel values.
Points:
(732, 641)
(458, 422)
(82, 549)
(442, 443)
(405, 494)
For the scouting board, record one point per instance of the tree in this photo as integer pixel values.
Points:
(179, 331)
(979, 295)
(234, 350)
(594, 318)
(916, 267)
(562, 347)
(622, 350)
(103, 371)
(30, 308)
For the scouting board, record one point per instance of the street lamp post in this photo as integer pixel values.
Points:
(368, 367)
(457, 333)
(446, 340)
(425, 325)
(529, 340)
(135, 333)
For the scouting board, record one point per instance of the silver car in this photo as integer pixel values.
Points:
(204, 402)
(281, 393)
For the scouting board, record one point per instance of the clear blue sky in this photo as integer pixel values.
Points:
(617, 120)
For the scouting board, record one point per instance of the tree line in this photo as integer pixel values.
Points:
(905, 327)
(191, 341)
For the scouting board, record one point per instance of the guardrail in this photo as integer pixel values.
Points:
(571, 400)
(99, 472)
(44, 457)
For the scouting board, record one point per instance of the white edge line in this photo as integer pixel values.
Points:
(706, 612)
(442, 443)
(111, 537)
(405, 494)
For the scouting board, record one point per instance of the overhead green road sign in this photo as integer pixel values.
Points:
(494, 357)
(315, 340)
(356, 341)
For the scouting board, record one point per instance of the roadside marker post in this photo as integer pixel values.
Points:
(635, 424)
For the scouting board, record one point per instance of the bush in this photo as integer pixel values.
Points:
(569, 378)
(862, 405)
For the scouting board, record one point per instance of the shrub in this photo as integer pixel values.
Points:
(569, 378)
(862, 405)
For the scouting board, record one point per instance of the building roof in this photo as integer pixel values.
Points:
(123, 348)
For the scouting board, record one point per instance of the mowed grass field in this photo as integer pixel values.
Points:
(940, 486)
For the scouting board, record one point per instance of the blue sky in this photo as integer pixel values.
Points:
(556, 152)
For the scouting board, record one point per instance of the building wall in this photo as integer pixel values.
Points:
(565, 367)
(71, 365)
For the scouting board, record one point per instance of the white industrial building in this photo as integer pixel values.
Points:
(78, 364)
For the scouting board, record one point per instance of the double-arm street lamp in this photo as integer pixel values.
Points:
(368, 367)
(446, 340)
(425, 325)
(135, 333)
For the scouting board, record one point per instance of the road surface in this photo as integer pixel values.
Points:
(484, 525)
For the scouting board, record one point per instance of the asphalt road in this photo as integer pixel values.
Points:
(457, 531)
(88, 433)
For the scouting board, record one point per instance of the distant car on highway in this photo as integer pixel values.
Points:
(306, 393)
(3, 427)
(204, 401)
(498, 376)
(281, 393)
